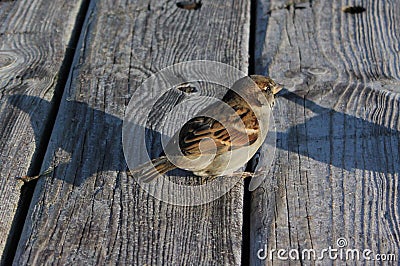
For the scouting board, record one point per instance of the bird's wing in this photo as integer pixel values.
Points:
(243, 130)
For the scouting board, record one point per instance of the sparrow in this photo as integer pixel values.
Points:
(221, 138)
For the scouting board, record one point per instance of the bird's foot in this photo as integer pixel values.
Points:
(26, 178)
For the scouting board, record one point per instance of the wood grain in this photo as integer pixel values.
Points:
(338, 127)
(88, 210)
(33, 39)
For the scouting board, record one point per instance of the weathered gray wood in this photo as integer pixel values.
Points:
(88, 210)
(337, 162)
(33, 39)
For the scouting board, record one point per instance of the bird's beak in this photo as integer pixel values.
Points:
(277, 89)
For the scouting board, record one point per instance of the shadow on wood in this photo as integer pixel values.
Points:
(104, 120)
(338, 139)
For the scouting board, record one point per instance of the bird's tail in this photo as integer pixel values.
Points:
(149, 171)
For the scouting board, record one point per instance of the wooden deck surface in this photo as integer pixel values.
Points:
(337, 163)
(335, 172)
(35, 38)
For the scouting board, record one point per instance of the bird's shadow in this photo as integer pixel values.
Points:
(330, 137)
(342, 140)
(104, 126)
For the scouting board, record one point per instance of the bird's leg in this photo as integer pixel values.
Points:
(206, 179)
(27, 179)
(244, 175)
(247, 174)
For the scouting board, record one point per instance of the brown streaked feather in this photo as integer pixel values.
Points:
(190, 139)
(220, 133)
(210, 129)
(199, 128)
(202, 127)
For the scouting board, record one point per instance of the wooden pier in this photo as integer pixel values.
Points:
(69, 68)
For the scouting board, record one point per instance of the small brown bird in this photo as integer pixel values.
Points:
(223, 137)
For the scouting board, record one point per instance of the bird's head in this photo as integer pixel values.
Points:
(266, 84)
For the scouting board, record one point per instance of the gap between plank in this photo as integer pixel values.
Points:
(251, 165)
(28, 189)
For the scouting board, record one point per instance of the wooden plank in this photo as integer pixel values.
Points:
(33, 39)
(338, 127)
(89, 210)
